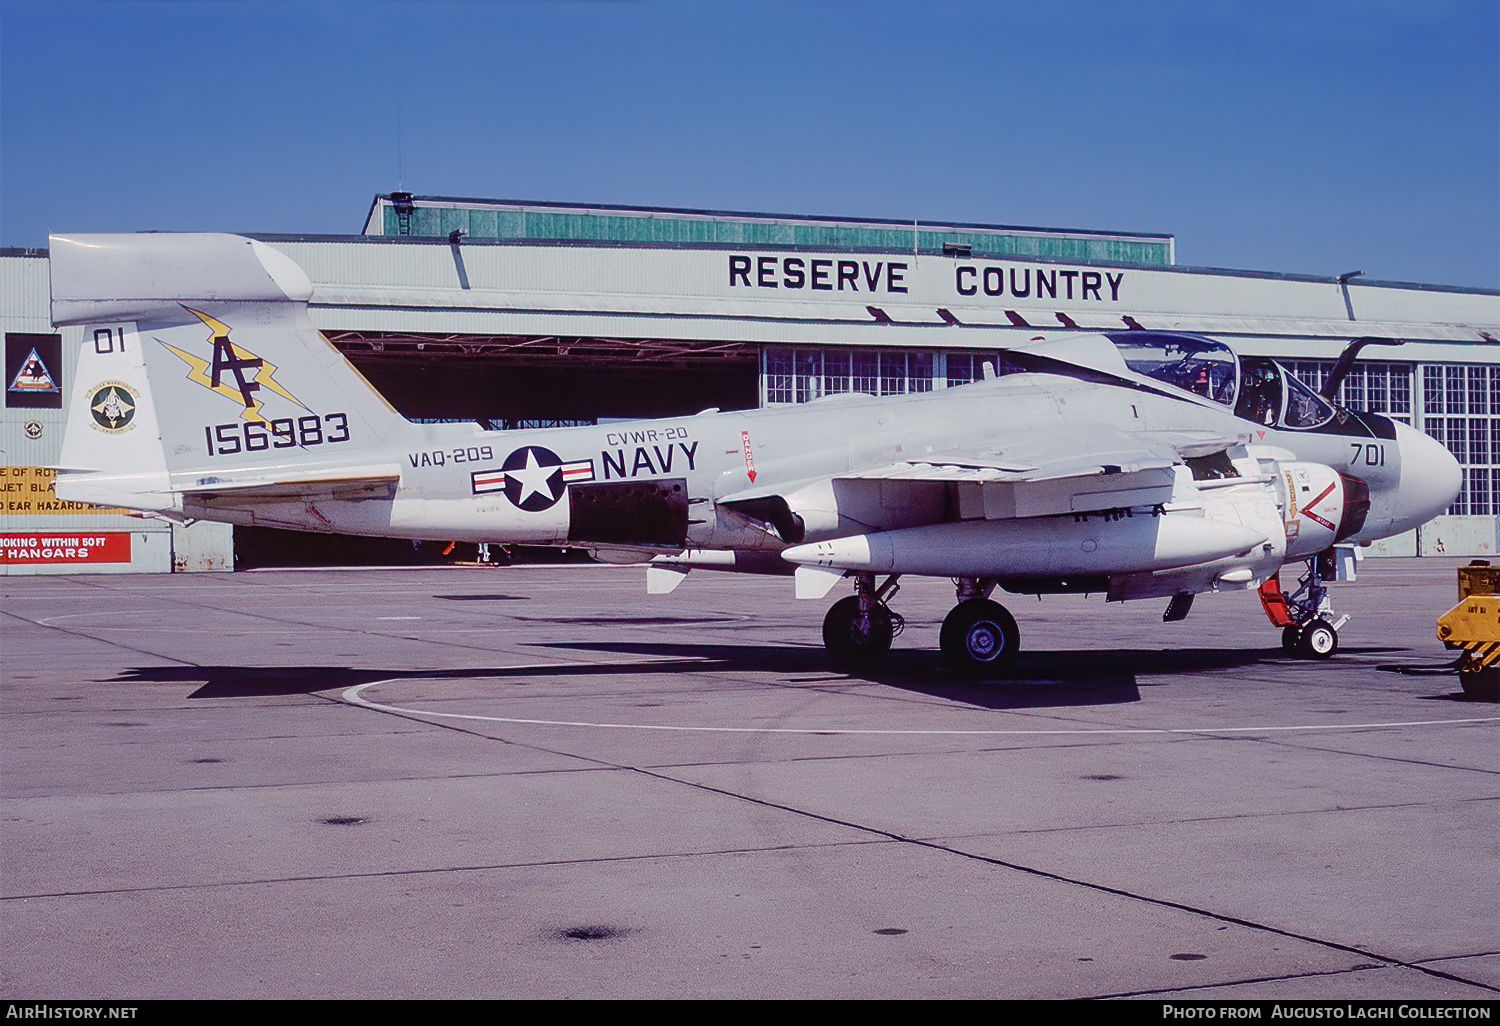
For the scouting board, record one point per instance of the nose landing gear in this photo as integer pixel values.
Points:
(858, 630)
(1303, 616)
(1316, 639)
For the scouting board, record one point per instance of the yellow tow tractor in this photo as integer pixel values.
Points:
(1474, 626)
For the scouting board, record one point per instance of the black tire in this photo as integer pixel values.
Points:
(1319, 639)
(847, 643)
(979, 638)
(1482, 685)
(1291, 640)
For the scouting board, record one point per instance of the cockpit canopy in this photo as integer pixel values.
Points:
(1254, 387)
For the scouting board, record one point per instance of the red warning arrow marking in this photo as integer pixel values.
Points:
(1309, 514)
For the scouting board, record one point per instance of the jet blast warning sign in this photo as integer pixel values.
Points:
(104, 547)
(26, 491)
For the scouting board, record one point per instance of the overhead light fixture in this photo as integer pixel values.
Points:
(1343, 279)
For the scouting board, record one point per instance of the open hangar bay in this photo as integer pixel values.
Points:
(542, 782)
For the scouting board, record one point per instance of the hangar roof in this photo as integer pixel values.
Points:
(401, 214)
(712, 293)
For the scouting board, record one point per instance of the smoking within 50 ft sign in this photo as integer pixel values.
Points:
(101, 547)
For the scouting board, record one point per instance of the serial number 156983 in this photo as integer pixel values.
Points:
(283, 433)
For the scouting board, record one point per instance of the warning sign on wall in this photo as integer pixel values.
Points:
(103, 547)
(25, 491)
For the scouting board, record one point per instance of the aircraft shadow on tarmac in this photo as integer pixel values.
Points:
(264, 681)
(1039, 679)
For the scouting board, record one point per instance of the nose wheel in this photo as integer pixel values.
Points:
(1303, 616)
(1316, 639)
(858, 630)
(853, 638)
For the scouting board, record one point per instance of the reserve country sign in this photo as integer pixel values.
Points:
(71, 548)
(28, 491)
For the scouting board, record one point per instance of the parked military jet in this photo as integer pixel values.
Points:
(1140, 464)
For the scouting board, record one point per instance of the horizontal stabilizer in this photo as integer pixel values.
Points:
(324, 484)
(132, 277)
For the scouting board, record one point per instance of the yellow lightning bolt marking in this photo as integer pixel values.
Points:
(200, 371)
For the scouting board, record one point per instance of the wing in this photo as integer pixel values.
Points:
(1071, 453)
(1079, 470)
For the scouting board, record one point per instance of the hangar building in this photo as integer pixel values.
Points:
(531, 314)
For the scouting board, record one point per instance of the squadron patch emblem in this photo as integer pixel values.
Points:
(112, 406)
(33, 376)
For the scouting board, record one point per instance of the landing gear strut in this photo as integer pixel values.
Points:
(858, 629)
(1303, 616)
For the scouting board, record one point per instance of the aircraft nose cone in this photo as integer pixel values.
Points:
(1430, 479)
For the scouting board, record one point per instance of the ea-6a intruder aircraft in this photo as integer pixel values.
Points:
(1140, 464)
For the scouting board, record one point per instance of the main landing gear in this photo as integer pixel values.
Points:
(859, 629)
(978, 638)
(1303, 616)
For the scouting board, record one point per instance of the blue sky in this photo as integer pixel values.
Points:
(1319, 136)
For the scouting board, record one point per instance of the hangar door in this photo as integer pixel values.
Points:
(511, 380)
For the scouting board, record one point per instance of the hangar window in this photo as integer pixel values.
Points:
(866, 372)
(919, 371)
(799, 375)
(902, 373)
(892, 373)
(1461, 409)
(966, 367)
(532, 423)
(836, 372)
(809, 380)
(1371, 387)
(778, 375)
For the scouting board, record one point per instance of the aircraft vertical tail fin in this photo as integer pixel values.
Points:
(199, 362)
